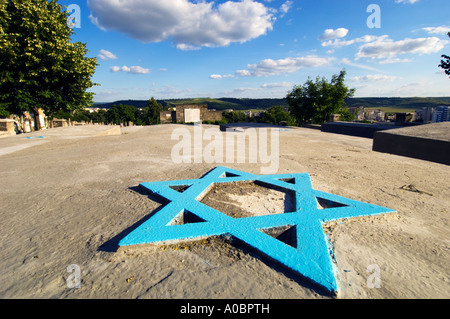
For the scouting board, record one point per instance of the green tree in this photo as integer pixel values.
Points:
(445, 64)
(121, 114)
(113, 115)
(81, 116)
(152, 113)
(99, 117)
(3, 112)
(276, 115)
(39, 66)
(314, 102)
(236, 117)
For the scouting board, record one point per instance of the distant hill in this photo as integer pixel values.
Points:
(413, 103)
(218, 104)
(389, 104)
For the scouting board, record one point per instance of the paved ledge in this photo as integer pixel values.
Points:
(244, 126)
(429, 142)
(11, 144)
(354, 129)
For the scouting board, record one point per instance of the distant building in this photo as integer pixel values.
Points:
(425, 114)
(259, 113)
(190, 113)
(334, 118)
(358, 112)
(376, 115)
(401, 118)
(442, 114)
(92, 109)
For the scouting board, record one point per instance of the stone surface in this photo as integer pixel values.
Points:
(430, 142)
(71, 197)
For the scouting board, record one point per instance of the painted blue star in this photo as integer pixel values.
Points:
(309, 256)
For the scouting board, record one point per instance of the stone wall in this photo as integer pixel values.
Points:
(178, 116)
(7, 127)
(212, 116)
(60, 123)
(166, 117)
(181, 111)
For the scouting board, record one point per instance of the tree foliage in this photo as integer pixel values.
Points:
(276, 115)
(445, 64)
(315, 101)
(151, 113)
(236, 117)
(39, 66)
(122, 114)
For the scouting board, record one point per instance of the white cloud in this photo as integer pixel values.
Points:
(285, 7)
(269, 90)
(271, 67)
(437, 30)
(219, 76)
(388, 49)
(358, 65)
(106, 55)
(394, 60)
(189, 24)
(131, 69)
(243, 73)
(406, 1)
(337, 43)
(331, 34)
(276, 85)
(374, 78)
(187, 47)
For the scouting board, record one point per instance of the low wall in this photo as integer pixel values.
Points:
(59, 123)
(429, 142)
(212, 116)
(354, 129)
(7, 127)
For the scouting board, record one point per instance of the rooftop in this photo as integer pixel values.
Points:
(69, 194)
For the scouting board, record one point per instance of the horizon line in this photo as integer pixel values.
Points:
(273, 98)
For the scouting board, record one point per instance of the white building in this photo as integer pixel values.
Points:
(442, 114)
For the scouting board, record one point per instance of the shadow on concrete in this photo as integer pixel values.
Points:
(279, 267)
(241, 127)
(112, 245)
(430, 142)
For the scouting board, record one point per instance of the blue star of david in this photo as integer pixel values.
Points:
(311, 256)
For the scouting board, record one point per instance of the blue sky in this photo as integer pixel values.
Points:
(261, 49)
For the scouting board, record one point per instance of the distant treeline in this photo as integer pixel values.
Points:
(263, 104)
(412, 103)
(221, 104)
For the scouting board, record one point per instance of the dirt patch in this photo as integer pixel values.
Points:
(240, 200)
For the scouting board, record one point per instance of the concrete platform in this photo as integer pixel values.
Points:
(70, 197)
(354, 129)
(12, 144)
(240, 127)
(429, 142)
